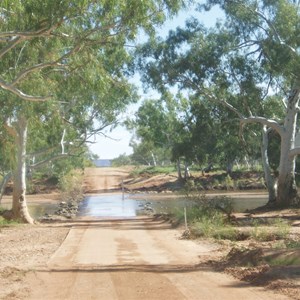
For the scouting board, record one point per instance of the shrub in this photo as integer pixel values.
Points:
(208, 217)
(71, 185)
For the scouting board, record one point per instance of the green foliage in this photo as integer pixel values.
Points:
(208, 222)
(240, 70)
(71, 185)
(64, 69)
(158, 130)
(208, 217)
(194, 194)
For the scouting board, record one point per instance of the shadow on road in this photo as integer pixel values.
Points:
(142, 223)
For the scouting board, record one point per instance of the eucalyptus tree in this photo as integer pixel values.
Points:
(190, 129)
(151, 127)
(245, 60)
(213, 134)
(72, 56)
(158, 127)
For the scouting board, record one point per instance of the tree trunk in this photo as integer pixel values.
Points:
(186, 171)
(269, 179)
(246, 160)
(229, 167)
(19, 206)
(179, 169)
(287, 191)
(153, 159)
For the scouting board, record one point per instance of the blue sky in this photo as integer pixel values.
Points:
(119, 138)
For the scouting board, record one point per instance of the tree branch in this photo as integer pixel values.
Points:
(23, 73)
(294, 152)
(15, 37)
(46, 30)
(38, 164)
(42, 151)
(263, 121)
(62, 142)
(22, 95)
(14, 42)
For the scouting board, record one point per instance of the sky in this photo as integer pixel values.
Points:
(116, 142)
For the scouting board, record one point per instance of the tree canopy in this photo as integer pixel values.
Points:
(64, 72)
(248, 63)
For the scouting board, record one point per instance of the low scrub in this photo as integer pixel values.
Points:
(287, 258)
(4, 222)
(208, 217)
(207, 205)
(214, 227)
(71, 186)
(276, 229)
(292, 244)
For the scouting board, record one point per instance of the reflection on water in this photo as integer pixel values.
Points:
(108, 206)
(36, 210)
(241, 205)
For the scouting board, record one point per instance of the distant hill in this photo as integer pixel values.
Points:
(102, 162)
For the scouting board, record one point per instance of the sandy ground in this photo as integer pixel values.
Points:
(136, 258)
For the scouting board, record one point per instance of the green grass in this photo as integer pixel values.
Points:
(276, 229)
(5, 223)
(208, 217)
(283, 260)
(214, 227)
(291, 244)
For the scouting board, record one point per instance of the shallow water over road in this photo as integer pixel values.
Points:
(105, 205)
(114, 205)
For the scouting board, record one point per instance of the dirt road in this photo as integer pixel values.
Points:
(130, 259)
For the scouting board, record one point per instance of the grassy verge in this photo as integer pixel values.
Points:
(213, 218)
(276, 229)
(151, 170)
